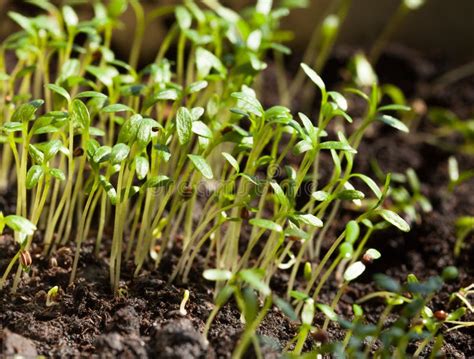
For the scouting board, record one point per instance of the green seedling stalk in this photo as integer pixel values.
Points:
(187, 259)
(125, 176)
(80, 232)
(134, 227)
(312, 56)
(391, 26)
(75, 194)
(140, 24)
(90, 215)
(63, 204)
(250, 329)
(380, 323)
(230, 254)
(9, 268)
(102, 220)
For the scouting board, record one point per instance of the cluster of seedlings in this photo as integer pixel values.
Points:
(183, 149)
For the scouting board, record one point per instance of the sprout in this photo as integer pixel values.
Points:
(25, 260)
(182, 306)
(52, 296)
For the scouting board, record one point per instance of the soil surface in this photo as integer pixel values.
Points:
(145, 321)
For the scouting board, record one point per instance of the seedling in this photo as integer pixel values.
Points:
(52, 296)
(183, 154)
(182, 306)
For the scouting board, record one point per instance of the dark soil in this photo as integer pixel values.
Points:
(145, 321)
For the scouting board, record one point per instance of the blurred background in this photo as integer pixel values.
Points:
(440, 28)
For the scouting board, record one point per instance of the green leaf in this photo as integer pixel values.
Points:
(307, 314)
(453, 169)
(196, 86)
(394, 107)
(163, 151)
(373, 253)
(352, 231)
(350, 195)
(20, 224)
(224, 295)
(393, 122)
(119, 153)
(183, 17)
(206, 61)
(302, 147)
(70, 16)
(346, 250)
(286, 308)
(33, 176)
(70, 69)
(318, 81)
(184, 123)
(60, 91)
(308, 125)
(11, 127)
(364, 73)
(105, 74)
(340, 100)
(117, 7)
(248, 103)
(354, 271)
(51, 148)
(310, 219)
(299, 295)
(102, 154)
(36, 155)
(80, 114)
(231, 159)
(58, 174)
(117, 107)
(217, 274)
(23, 21)
(336, 145)
(266, 224)
(142, 167)
(170, 94)
(145, 132)
(25, 112)
(109, 190)
(320, 196)
(254, 279)
(370, 183)
(457, 314)
(128, 131)
(394, 219)
(91, 94)
(202, 166)
(254, 40)
(386, 283)
(201, 129)
(327, 311)
(158, 181)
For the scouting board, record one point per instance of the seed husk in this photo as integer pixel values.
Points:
(440, 315)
